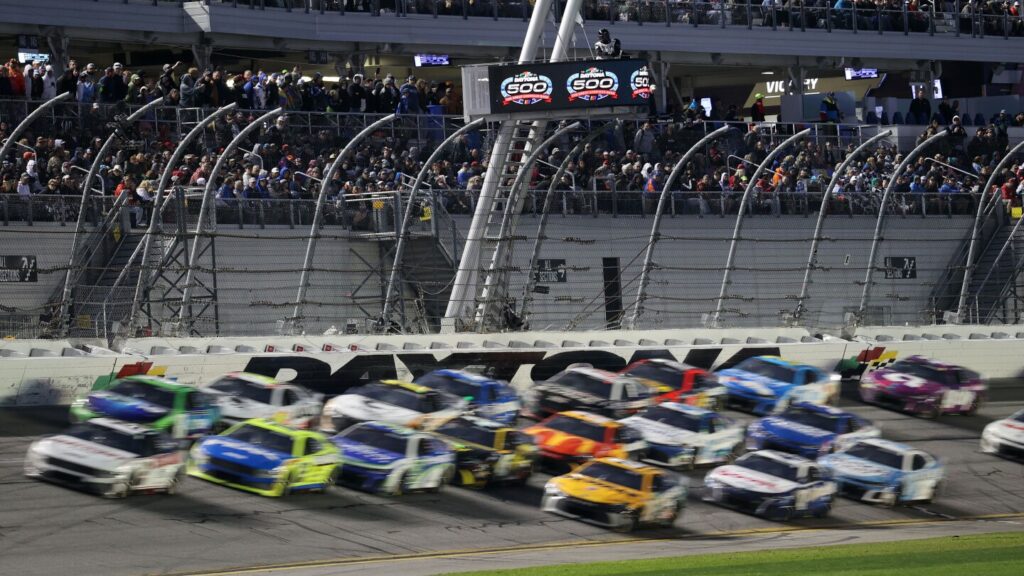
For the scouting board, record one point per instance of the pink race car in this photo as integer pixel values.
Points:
(921, 386)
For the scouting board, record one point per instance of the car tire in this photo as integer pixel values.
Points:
(400, 487)
(446, 477)
(735, 453)
(974, 406)
(120, 490)
(671, 521)
(824, 511)
(633, 524)
(523, 477)
(937, 491)
(935, 413)
(175, 483)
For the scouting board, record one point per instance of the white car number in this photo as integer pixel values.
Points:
(953, 398)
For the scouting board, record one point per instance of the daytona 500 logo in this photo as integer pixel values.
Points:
(526, 88)
(640, 83)
(592, 84)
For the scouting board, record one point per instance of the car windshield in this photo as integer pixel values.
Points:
(583, 383)
(468, 432)
(263, 438)
(614, 475)
(449, 384)
(377, 438)
(769, 466)
(146, 392)
(673, 418)
(396, 396)
(820, 420)
(576, 427)
(244, 389)
(108, 437)
(1019, 416)
(659, 373)
(923, 371)
(877, 455)
(767, 369)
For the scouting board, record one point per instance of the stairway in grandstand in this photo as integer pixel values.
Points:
(429, 272)
(97, 302)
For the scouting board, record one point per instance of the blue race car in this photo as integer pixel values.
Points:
(809, 430)
(491, 399)
(762, 383)
(772, 484)
(884, 472)
(383, 458)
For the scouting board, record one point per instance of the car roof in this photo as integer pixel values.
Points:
(784, 457)
(935, 364)
(589, 417)
(159, 382)
(386, 427)
(889, 445)
(482, 422)
(122, 426)
(596, 373)
(253, 378)
(411, 387)
(463, 376)
(631, 465)
(780, 362)
(666, 362)
(686, 409)
(268, 424)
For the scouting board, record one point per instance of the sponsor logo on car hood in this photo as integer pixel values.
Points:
(761, 385)
(365, 409)
(83, 452)
(594, 490)
(125, 407)
(1009, 429)
(250, 455)
(751, 480)
(795, 431)
(561, 442)
(853, 467)
(359, 452)
(662, 433)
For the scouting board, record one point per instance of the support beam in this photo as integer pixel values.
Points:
(726, 275)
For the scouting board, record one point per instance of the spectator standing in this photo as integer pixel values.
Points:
(389, 96)
(357, 94)
(920, 109)
(643, 140)
(757, 108)
(187, 89)
(49, 86)
(410, 97)
(829, 110)
(167, 81)
(67, 83)
(86, 91)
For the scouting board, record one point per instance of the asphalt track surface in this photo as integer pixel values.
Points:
(209, 529)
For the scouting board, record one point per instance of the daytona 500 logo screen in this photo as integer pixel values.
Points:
(569, 85)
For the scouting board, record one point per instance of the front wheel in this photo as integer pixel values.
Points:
(632, 523)
(175, 482)
(975, 405)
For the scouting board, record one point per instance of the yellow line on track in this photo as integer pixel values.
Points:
(327, 563)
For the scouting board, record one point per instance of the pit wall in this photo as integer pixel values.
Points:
(55, 373)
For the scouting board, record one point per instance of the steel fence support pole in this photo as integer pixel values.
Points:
(645, 270)
(185, 315)
(318, 214)
(812, 256)
(739, 218)
(402, 230)
(976, 230)
(876, 238)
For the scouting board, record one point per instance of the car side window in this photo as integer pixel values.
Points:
(711, 425)
(290, 397)
(845, 426)
(426, 447)
(192, 401)
(300, 447)
(312, 446)
(918, 462)
(813, 474)
(626, 435)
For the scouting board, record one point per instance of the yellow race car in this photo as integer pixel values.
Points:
(616, 493)
(267, 458)
(487, 451)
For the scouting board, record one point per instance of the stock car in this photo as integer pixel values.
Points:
(921, 386)
(382, 458)
(392, 401)
(244, 395)
(585, 388)
(762, 383)
(885, 472)
(159, 403)
(809, 430)
(1005, 437)
(487, 451)
(617, 493)
(267, 458)
(487, 397)
(772, 484)
(679, 382)
(111, 457)
(574, 437)
(681, 436)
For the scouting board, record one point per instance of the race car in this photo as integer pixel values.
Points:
(681, 436)
(267, 458)
(809, 430)
(1005, 437)
(589, 389)
(159, 403)
(771, 484)
(487, 451)
(884, 472)
(111, 457)
(762, 383)
(488, 398)
(383, 458)
(392, 401)
(921, 386)
(574, 437)
(678, 382)
(617, 493)
(244, 395)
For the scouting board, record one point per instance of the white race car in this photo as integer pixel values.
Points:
(679, 435)
(108, 456)
(393, 402)
(244, 395)
(1005, 437)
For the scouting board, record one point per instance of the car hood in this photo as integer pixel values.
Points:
(358, 452)
(362, 408)
(594, 490)
(751, 480)
(843, 465)
(795, 431)
(661, 433)
(233, 450)
(82, 452)
(555, 389)
(242, 408)
(761, 385)
(560, 442)
(125, 407)
(1009, 429)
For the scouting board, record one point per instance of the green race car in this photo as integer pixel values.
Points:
(156, 402)
(267, 458)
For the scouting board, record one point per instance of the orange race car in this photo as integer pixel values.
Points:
(574, 437)
(678, 382)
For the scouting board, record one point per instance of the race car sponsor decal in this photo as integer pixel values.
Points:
(747, 479)
(369, 453)
(640, 83)
(661, 433)
(908, 380)
(124, 407)
(592, 85)
(526, 88)
(566, 392)
(858, 467)
(806, 430)
(868, 360)
(230, 444)
(91, 447)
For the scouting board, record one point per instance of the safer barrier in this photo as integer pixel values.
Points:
(54, 373)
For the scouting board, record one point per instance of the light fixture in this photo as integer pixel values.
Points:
(767, 73)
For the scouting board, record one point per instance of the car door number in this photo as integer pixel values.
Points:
(953, 398)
